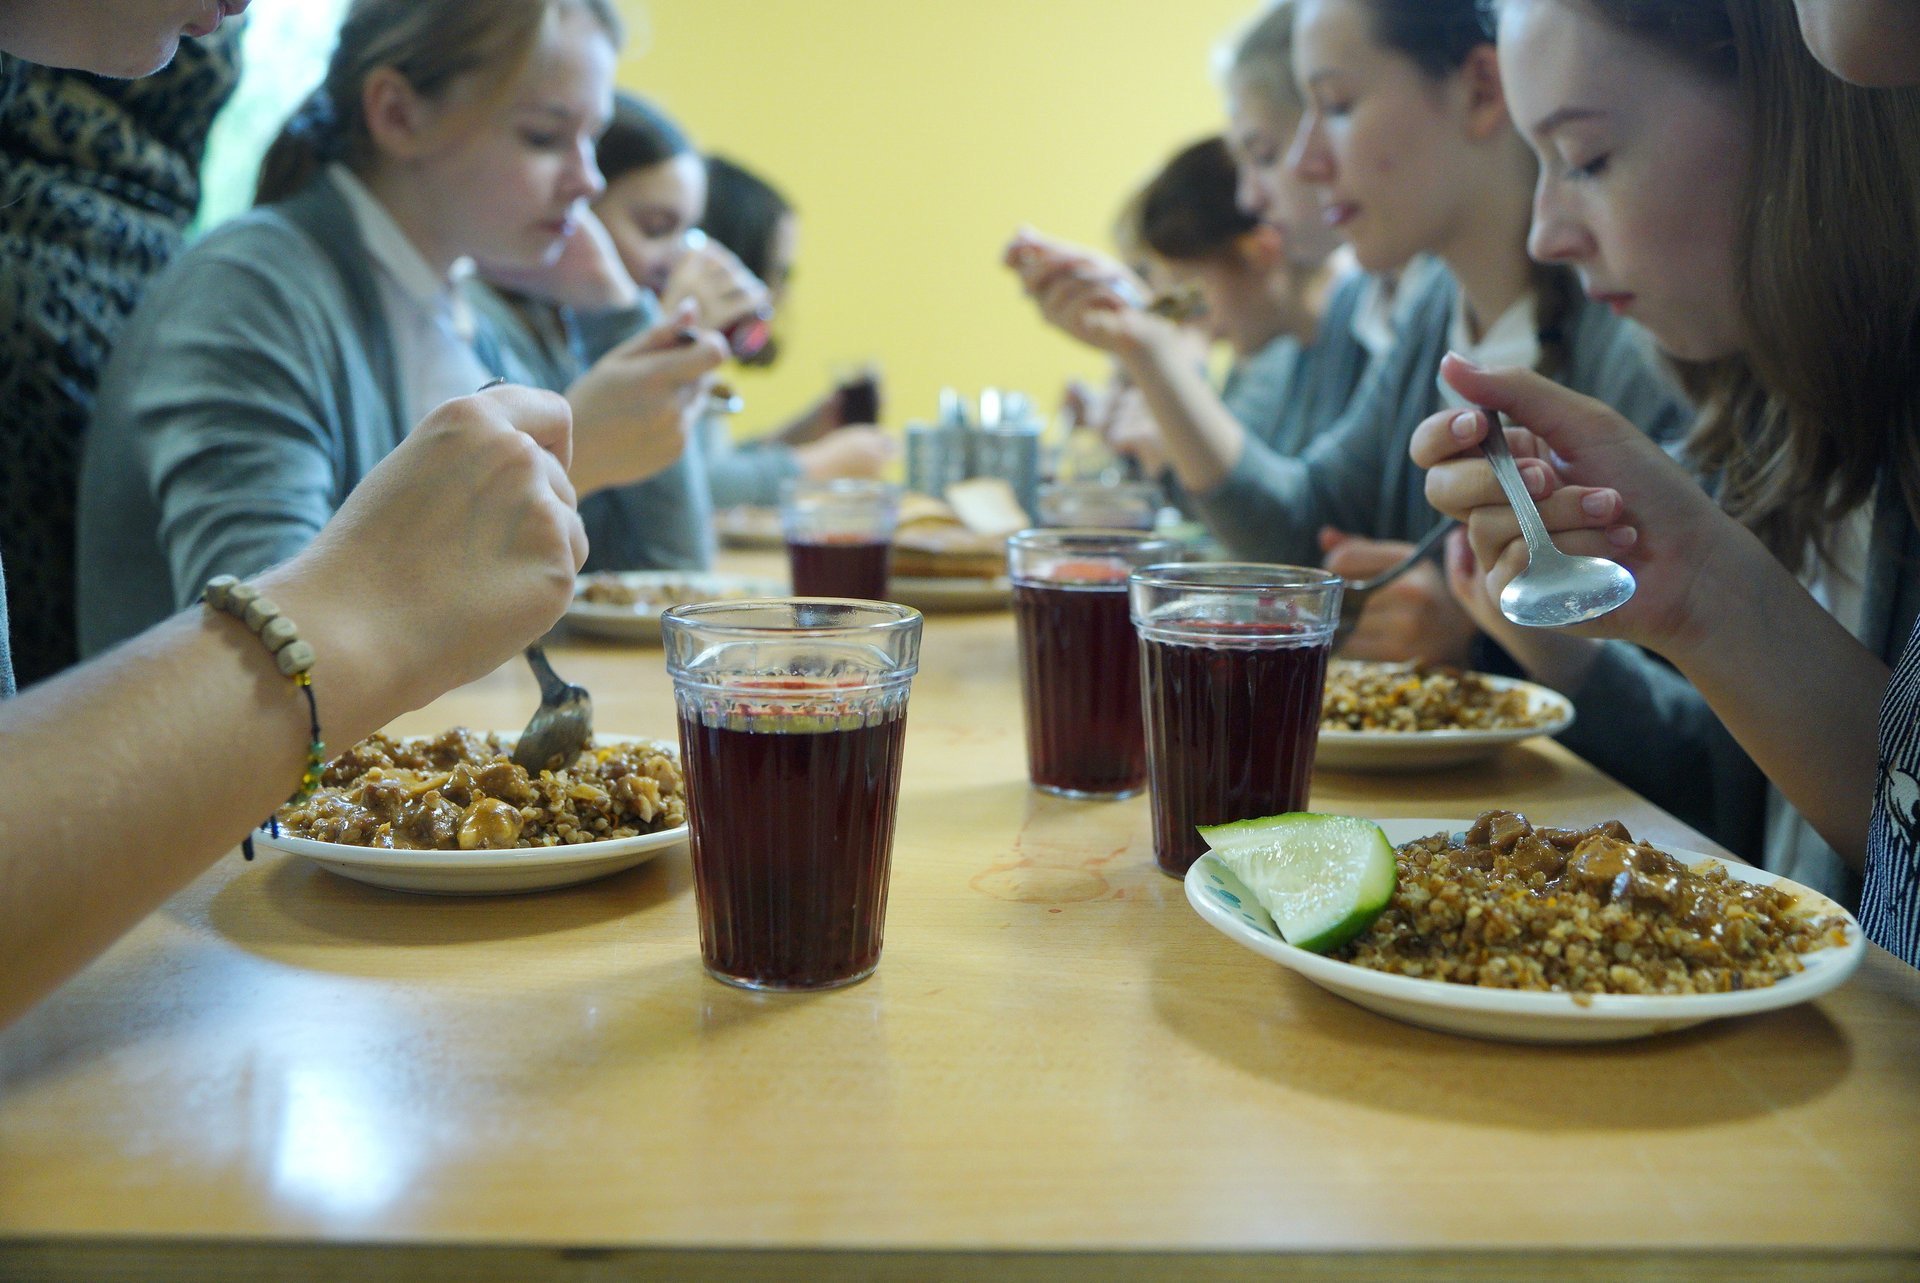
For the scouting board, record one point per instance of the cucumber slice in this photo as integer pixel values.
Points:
(1322, 878)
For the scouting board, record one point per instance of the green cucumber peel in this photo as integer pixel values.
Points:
(1323, 879)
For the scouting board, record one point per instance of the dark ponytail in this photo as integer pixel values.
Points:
(639, 136)
(743, 213)
(1190, 210)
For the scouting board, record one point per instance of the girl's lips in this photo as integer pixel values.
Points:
(1619, 302)
(1340, 214)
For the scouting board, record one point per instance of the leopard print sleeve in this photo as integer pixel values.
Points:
(100, 180)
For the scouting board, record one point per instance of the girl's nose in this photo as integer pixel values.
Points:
(1556, 236)
(1310, 159)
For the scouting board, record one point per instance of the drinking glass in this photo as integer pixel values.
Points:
(1233, 661)
(792, 716)
(839, 536)
(1079, 661)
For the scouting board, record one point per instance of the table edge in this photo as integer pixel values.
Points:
(155, 1260)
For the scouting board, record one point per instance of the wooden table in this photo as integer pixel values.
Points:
(1059, 1071)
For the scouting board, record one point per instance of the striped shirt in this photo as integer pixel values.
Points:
(1890, 899)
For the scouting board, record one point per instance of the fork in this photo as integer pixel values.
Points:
(561, 725)
(1354, 600)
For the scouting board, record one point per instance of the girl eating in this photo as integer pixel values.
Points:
(286, 354)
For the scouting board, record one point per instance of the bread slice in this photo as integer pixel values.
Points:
(988, 506)
(937, 551)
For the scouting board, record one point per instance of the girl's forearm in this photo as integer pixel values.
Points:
(125, 778)
(1203, 439)
(1800, 694)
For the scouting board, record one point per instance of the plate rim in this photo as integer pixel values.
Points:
(495, 860)
(1832, 966)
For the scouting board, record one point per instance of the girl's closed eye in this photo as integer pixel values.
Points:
(1588, 169)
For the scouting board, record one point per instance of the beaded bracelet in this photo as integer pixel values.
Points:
(226, 595)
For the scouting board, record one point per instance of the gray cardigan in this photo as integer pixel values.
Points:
(1287, 393)
(745, 472)
(1356, 474)
(252, 390)
(561, 344)
(662, 523)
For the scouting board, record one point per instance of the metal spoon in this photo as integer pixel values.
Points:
(561, 725)
(1555, 590)
(1354, 599)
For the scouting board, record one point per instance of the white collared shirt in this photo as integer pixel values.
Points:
(427, 318)
(1512, 341)
(1381, 312)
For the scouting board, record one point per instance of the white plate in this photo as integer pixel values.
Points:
(934, 594)
(1506, 1014)
(503, 872)
(1433, 750)
(641, 623)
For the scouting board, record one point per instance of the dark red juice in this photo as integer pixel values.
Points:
(1080, 678)
(1231, 729)
(791, 834)
(840, 566)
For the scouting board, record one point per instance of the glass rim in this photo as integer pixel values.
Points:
(890, 617)
(840, 487)
(1085, 486)
(1233, 576)
(1054, 536)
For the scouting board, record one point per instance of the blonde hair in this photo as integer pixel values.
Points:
(434, 45)
(1260, 56)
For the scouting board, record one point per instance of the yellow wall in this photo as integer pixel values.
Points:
(914, 136)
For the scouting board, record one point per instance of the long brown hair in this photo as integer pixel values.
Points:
(1824, 399)
(434, 44)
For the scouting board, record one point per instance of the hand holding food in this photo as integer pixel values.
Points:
(847, 452)
(1414, 617)
(1089, 297)
(1130, 429)
(1604, 489)
(633, 410)
(478, 493)
(711, 277)
(588, 275)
